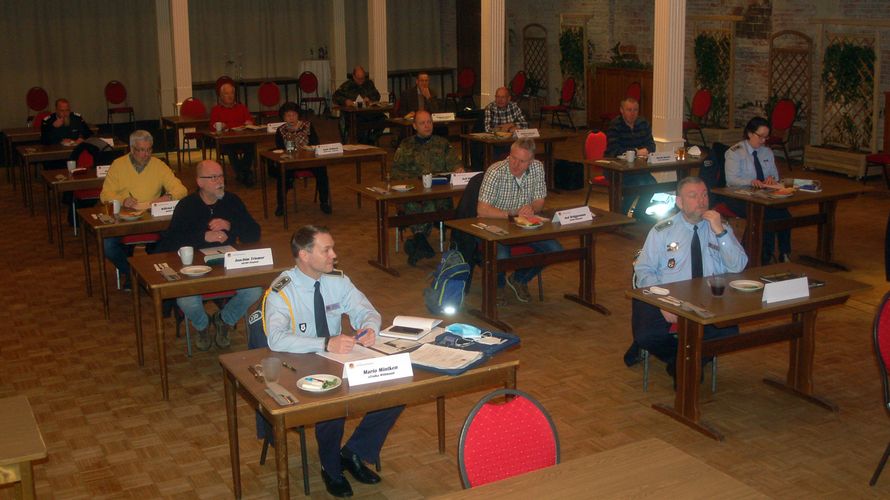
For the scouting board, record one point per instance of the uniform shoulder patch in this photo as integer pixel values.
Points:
(736, 147)
(76, 114)
(279, 284)
(255, 316)
(48, 117)
(661, 226)
(336, 272)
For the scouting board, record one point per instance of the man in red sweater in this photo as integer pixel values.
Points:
(231, 115)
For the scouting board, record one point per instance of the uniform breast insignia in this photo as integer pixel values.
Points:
(661, 226)
(279, 284)
(672, 263)
(673, 246)
(302, 327)
(336, 272)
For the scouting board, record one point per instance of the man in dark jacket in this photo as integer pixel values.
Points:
(347, 95)
(64, 125)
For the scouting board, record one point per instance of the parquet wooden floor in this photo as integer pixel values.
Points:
(110, 435)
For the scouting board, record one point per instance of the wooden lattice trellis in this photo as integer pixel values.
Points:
(791, 76)
(850, 123)
(722, 107)
(534, 46)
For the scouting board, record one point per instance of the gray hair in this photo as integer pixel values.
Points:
(526, 144)
(141, 136)
(688, 180)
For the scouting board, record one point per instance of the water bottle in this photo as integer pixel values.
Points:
(289, 147)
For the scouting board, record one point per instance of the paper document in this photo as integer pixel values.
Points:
(443, 358)
(395, 346)
(358, 353)
(218, 250)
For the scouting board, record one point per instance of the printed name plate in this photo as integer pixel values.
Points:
(248, 258)
(573, 215)
(163, 208)
(273, 127)
(786, 290)
(334, 148)
(657, 158)
(102, 170)
(527, 133)
(463, 178)
(443, 117)
(372, 370)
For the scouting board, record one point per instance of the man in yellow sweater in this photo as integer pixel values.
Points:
(137, 180)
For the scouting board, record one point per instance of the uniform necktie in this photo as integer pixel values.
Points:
(321, 320)
(696, 254)
(758, 167)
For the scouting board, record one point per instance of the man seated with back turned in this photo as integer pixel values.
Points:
(360, 86)
(302, 311)
(234, 114)
(137, 180)
(423, 153)
(211, 217)
(628, 131)
(693, 243)
(516, 187)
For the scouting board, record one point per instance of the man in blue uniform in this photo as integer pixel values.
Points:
(302, 312)
(693, 243)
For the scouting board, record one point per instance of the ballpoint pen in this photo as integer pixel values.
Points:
(362, 333)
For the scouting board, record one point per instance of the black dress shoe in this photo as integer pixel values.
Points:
(279, 211)
(424, 250)
(353, 463)
(338, 487)
(326, 208)
(411, 252)
(632, 356)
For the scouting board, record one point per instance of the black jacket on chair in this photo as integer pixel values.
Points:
(464, 243)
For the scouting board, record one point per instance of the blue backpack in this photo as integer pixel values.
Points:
(445, 295)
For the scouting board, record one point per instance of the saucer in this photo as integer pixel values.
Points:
(195, 271)
(302, 383)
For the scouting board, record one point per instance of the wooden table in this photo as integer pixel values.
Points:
(143, 274)
(646, 469)
(20, 445)
(406, 126)
(56, 182)
(13, 137)
(99, 230)
(757, 202)
(736, 307)
(176, 123)
(615, 169)
(489, 141)
(585, 254)
(383, 202)
(344, 401)
(303, 158)
(396, 77)
(350, 114)
(242, 136)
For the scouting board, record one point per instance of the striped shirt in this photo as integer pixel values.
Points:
(623, 138)
(503, 191)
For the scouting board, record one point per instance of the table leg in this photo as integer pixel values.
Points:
(162, 348)
(27, 186)
(232, 422)
(263, 187)
(825, 232)
(616, 190)
(382, 261)
(57, 208)
(358, 181)
(487, 156)
(281, 456)
(137, 317)
(550, 168)
(49, 220)
(282, 191)
(686, 405)
(489, 311)
(587, 276)
(754, 234)
(353, 133)
(23, 165)
(167, 148)
(26, 472)
(440, 422)
(85, 245)
(103, 279)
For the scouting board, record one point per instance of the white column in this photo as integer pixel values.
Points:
(492, 61)
(667, 78)
(377, 66)
(338, 44)
(174, 54)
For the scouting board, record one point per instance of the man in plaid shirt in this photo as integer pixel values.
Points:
(510, 188)
(503, 115)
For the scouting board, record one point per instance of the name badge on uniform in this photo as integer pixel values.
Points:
(673, 246)
(672, 263)
(713, 246)
(331, 307)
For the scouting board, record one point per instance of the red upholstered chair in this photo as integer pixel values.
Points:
(595, 149)
(269, 96)
(701, 105)
(37, 100)
(191, 108)
(499, 441)
(634, 90)
(882, 160)
(565, 100)
(116, 102)
(881, 335)
(38, 120)
(466, 81)
(309, 93)
(781, 120)
(517, 85)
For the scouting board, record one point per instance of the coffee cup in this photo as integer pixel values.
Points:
(630, 156)
(116, 206)
(219, 126)
(427, 181)
(187, 254)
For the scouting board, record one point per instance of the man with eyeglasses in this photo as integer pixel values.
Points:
(212, 217)
(137, 180)
(510, 188)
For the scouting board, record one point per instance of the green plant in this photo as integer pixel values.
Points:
(619, 60)
(848, 82)
(533, 86)
(712, 73)
(571, 52)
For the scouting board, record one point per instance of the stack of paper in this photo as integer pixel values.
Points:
(443, 358)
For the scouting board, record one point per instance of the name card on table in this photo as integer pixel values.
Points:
(573, 215)
(527, 133)
(442, 117)
(786, 290)
(372, 370)
(163, 208)
(333, 148)
(273, 127)
(102, 170)
(663, 157)
(248, 258)
(462, 178)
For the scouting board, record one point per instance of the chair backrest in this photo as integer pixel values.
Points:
(192, 108)
(595, 145)
(466, 79)
(269, 94)
(713, 169)
(517, 84)
(115, 92)
(782, 116)
(634, 90)
(701, 103)
(38, 119)
(308, 82)
(882, 344)
(568, 91)
(36, 99)
(222, 81)
(505, 440)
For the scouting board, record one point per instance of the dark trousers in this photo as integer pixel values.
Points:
(241, 158)
(769, 237)
(366, 441)
(321, 182)
(652, 332)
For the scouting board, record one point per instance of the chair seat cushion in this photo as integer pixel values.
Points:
(86, 194)
(691, 125)
(600, 180)
(517, 250)
(725, 211)
(882, 158)
(138, 239)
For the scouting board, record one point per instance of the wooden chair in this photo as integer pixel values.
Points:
(701, 105)
(565, 100)
(881, 336)
(781, 120)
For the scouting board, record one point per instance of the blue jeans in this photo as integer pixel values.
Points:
(193, 307)
(117, 253)
(526, 274)
(642, 179)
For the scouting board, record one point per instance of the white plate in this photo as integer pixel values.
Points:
(130, 218)
(324, 378)
(195, 270)
(529, 226)
(746, 285)
(278, 151)
(402, 187)
(779, 196)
